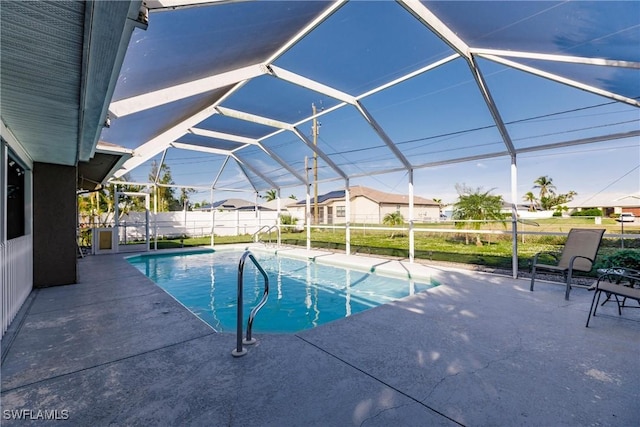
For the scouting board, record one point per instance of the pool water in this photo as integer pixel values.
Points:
(302, 294)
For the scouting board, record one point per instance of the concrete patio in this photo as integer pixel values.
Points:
(478, 350)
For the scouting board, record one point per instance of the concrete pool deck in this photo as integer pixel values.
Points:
(479, 349)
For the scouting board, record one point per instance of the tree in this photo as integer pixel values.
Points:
(184, 196)
(201, 204)
(533, 201)
(293, 197)
(545, 185)
(97, 208)
(476, 205)
(548, 197)
(166, 197)
(392, 219)
(271, 195)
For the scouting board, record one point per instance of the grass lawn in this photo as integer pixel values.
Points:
(451, 246)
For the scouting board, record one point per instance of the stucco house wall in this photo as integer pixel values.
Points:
(364, 210)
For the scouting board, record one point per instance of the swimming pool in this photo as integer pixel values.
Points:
(303, 294)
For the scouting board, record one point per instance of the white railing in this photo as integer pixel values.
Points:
(16, 276)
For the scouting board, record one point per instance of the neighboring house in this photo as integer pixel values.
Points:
(233, 205)
(627, 204)
(525, 212)
(368, 206)
(273, 205)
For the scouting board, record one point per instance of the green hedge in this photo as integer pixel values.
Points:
(629, 258)
(588, 212)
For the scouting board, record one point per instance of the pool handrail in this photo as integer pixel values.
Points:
(256, 236)
(240, 350)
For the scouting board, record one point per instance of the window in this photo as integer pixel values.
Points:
(15, 199)
(340, 211)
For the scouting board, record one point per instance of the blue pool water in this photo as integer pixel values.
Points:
(302, 295)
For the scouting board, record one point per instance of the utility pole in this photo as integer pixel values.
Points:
(315, 165)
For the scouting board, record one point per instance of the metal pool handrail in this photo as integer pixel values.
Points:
(256, 236)
(240, 350)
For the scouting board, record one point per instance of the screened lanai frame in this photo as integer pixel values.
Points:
(235, 80)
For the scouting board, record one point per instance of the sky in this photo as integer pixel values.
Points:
(437, 116)
(600, 173)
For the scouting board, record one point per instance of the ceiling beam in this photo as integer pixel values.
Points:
(200, 148)
(424, 15)
(463, 159)
(280, 161)
(162, 141)
(320, 153)
(163, 96)
(242, 164)
(159, 169)
(215, 180)
(241, 115)
(409, 76)
(563, 80)
(553, 146)
(313, 85)
(556, 58)
(491, 105)
(224, 136)
(582, 141)
(439, 28)
(383, 135)
(177, 4)
(306, 30)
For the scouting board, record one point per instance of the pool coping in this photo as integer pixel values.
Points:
(381, 266)
(478, 350)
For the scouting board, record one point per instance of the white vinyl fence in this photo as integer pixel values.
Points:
(194, 223)
(16, 276)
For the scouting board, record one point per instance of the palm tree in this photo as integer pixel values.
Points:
(184, 196)
(531, 198)
(545, 184)
(477, 205)
(392, 219)
(271, 195)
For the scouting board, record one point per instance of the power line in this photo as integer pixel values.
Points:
(611, 183)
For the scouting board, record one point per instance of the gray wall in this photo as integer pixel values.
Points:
(54, 225)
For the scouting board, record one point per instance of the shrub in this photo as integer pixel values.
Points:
(629, 258)
(288, 222)
(588, 212)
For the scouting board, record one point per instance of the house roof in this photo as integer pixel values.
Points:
(60, 63)
(388, 198)
(375, 195)
(229, 204)
(107, 159)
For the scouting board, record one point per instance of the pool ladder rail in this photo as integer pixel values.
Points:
(267, 229)
(249, 340)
